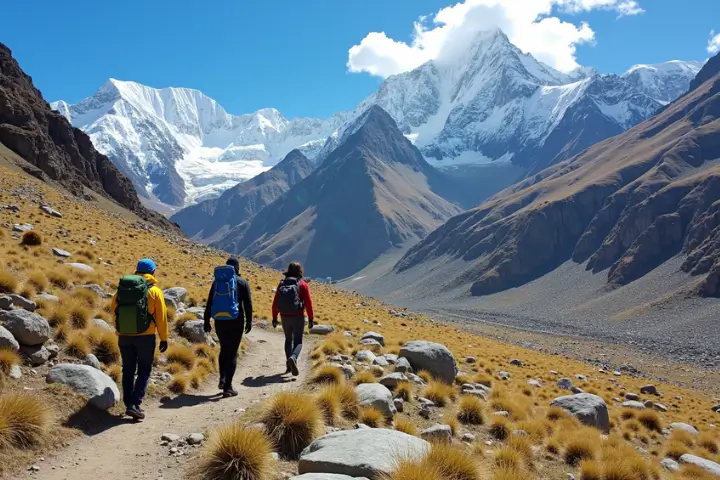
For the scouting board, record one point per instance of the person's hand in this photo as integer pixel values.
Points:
(248, 326)
(311, 323)
(163, 346)
(274, 323)
(207, 328)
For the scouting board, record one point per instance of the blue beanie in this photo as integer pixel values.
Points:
(145, 266)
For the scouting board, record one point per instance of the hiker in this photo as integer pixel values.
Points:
(228, 293)
(140, 313)
(292, 299)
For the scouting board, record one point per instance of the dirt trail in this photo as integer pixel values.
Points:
(127, 450)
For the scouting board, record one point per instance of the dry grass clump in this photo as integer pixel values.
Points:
(59, 278)
(650, 420)
(292, 422)
(584, 444)
(205, 364)
(334, 344)
(114, 372)
(706, 440)
(470, 411)
(694, 472)
(86, 297)
(508, 458)
(181, 355)
(347, 397)
(405, 425)
(522, 445)
(31, 239)
(8, 282)
(78, 313)
(372, 417)
(619, 461)
(179, 384)
(499, 427)
(675, 449)
(425, 375)
(454, 463)
(24, 421)
(518, 407)
(328, 374)
(234, 452)
(38, 280)
(8, 359)
(440, 393)
(77, 344)
(404, 390)
(364, 376)
(681, 436)
(105, 346)
(203, 350)
(556, 413)
(329, 404)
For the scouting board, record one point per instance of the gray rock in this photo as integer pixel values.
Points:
(715, 408)
(415, 379)
(6, 302)
(577, 390)
(381, 360)
(195, 439)
(476, 389)
(171, 302)
(363, 452)
(169, 437)
(589, 409)
(468, 438)
(633, 404)
(648, 390)
(28, 328)
(101, 390)
(365, 356)
(534, 383)
(632, 397)
(660, 407)
(51, 211)
(36, 355)
(22, 228)
(348, 334)
(92, 361)
(392, 380)
(564, 383)
(348, 370)
(46, 297)
(582, 378)
(403, 366)
(425, 412)
(684, 426)
(437, 433)
(502, 413)
(391, 358)
(58, 252)
(504, 375)
(22, 302)
(399, 404)
(53, 349)
(369, 342)
(325, 476)
(102, 324)
(433, 357)
(322, 329)
(193, 330)
(378, 396)
(178, 294)
(15, 372)
(649, 404)
(374, 336)
(471, 360)
(80, 266)
(709, 466)
(7, 340)
(199, 312)
(97, 289)
(670, 464)
(516, 362)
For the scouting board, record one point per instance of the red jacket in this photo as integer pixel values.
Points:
(304, 292)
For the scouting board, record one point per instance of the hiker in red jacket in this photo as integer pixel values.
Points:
(292, 300)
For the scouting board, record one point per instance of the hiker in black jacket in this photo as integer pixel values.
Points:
(230, 332)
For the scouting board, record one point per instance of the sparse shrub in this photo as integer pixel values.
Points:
(61, 332)
(8, 282)
(553, 446)
(471, 410)
(372, 417)
(507, 458)
(181, 355)
(85, 296)
(106, 348)
(77, 344)
(364, 376)
(504, 473)
(404, 390)
(440, 393)
(499, 427)
(676, 449)
(581, 446)
(706, 440)
(347, 397)
(522, 445)
(171, 314)
(329, 404)
(334, 344)
(197, 376)
(556, 413)
(414, 470)
(8, 359)
(328, 374)
(24, 420)
(179, 383)
(31, 239)
(205, 364)
(683, 437)
(591, 470)
(234, 452)
(404, 424)
(650, 420)
(454, 463)
(203, 350)
(292, 422)
(59, 278)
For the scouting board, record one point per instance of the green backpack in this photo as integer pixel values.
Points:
(132, 316)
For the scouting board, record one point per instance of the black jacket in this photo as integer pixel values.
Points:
(243, 297)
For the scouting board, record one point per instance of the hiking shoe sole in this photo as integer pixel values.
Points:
(230, 393)
(135, 414)
(294, 367)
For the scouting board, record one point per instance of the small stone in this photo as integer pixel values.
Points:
(437, 433)
(504, 375)
(582, 378)
(632, 396)
(379, 338)
(34, 468)
(92, 361)
(195, 439)
(670, 464)
(24, 303)
(50, 211)
(565, 384)
(468, 438)
(169, 437)
(15, 372)
(471, 360)
(425, 412)
(577, 390)
(516, 362)
(174, 450)
(617, 373)
(399, 404)
(660, 407)
(60, 253)
(534, 383)
(716, 408)
(649, 404)
(22, 228)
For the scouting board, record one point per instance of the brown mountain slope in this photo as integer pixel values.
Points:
(52, 148)
(627, 204)
(373, 193)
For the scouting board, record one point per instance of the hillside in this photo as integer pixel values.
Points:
(211, 219)
(373, 193)
(51, 149)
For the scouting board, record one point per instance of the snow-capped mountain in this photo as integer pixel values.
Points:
(179, 146)
(490, 104)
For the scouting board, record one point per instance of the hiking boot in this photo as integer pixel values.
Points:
(221, 385)
(135, 413)
(230, 392)
(139, 409)
(294, 367)
(288, 364)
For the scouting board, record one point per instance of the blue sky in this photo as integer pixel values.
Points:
(293, 55)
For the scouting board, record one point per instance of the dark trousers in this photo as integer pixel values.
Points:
(137, 356)
(294, 328)
(230, 333)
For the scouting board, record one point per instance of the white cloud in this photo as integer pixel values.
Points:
(713, 45)
(529, 25)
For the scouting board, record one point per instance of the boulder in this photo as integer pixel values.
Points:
(633, 404)
(709, 466)
(433, 357)
(378, 396)
(46, 297)
(6, 302)
(648, 390)
(22, 302)
(437, 433)
(364, 452)
(470, 360)
(92, 361)
(51, 211)
(28, 328)
(58, 252)
(381, 361)
(322, 329)
(325, 476)
(564, 384)
(684, 426)
(80, 266)
(102, 324)
(193, 330)
(403, 366)
(392, 380)
(36, 355)
(632, 397)
(374, 336)
(101, 390)
(649, 404)
(369, 342)
(391, 358)
(365, 356)
(589, 409)
(178, 294)
(7, 340)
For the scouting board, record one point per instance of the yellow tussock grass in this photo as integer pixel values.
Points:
(328, 374)
(292, 422)
(372, 417)
(234, 452)
(405, 425)
(440, 393)
(181, 355)
(470, 410)
(24, 420)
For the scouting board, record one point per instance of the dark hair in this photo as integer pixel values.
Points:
(232, 261)
(295, 270)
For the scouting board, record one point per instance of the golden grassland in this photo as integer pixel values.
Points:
(111, 244)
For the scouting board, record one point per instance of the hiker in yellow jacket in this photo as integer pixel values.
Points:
(140, 314)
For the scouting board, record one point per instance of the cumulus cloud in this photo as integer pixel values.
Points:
(529, 24)
(713, 45)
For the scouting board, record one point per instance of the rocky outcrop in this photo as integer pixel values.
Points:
(52, 148)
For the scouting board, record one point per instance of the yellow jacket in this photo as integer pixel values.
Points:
(156, 308)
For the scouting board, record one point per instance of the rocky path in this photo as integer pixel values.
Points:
(128, 450)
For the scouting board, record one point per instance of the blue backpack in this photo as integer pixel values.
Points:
(225, 301)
